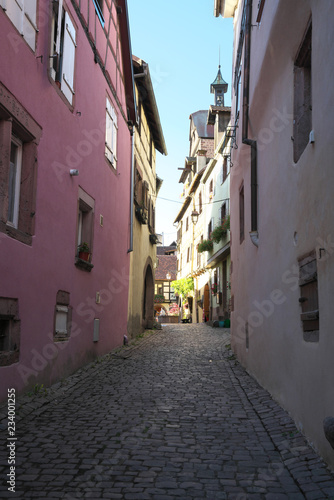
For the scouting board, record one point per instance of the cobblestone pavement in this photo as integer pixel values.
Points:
(173, 416)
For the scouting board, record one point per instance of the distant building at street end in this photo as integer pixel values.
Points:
(203, 221)
(165, 300)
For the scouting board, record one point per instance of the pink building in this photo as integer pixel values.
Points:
(67, 107)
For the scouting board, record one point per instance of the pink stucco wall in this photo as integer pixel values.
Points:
(34, 274)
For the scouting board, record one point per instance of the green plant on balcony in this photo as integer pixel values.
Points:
(205, 246)
(226, 223)
(158, 298)
(220, 231)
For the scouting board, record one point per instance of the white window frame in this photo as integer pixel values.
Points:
(18, 167)
(111, 133)
(67, 72)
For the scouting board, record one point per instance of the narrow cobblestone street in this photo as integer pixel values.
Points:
(171, 416)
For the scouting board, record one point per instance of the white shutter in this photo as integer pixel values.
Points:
(61, 319)
(114, 139)
(30, 22)
(67, 74)
(110, 132)
(30, 10)
(15, 13)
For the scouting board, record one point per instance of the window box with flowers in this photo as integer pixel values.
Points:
(205, 246)
(158, 298)
(220, 231)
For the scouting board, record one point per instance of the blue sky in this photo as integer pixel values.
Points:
(180, 41)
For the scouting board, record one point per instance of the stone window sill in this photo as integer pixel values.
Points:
(83, 264)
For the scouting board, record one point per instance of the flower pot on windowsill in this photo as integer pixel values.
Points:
(84, 256)
(84, 251)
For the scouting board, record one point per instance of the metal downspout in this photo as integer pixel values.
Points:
(132, 188)
(245, 119)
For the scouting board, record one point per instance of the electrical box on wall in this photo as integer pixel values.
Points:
(96, 334)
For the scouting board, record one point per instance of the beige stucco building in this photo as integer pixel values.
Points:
(205, 207)
(148, 138)
(282, 204)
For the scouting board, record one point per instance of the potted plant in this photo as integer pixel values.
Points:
(159, 298)
(226, 223)
(218, 233)
(84, 251)
(205, 246)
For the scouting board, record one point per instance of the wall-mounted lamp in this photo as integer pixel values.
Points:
(194, 217)
(168, 276)
(74, 172)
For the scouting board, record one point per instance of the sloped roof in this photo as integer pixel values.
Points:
(219, 80)
(145, 87)
(166, 250)
(126, 52)
(167, 264)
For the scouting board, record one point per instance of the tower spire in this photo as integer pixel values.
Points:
(219, 87)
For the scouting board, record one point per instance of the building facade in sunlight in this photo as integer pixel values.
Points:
(282, 204)
(203, 230)
(148, 139)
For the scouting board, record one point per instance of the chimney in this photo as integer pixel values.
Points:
(200, 160)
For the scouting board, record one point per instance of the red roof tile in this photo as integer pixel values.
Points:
(167, 263)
